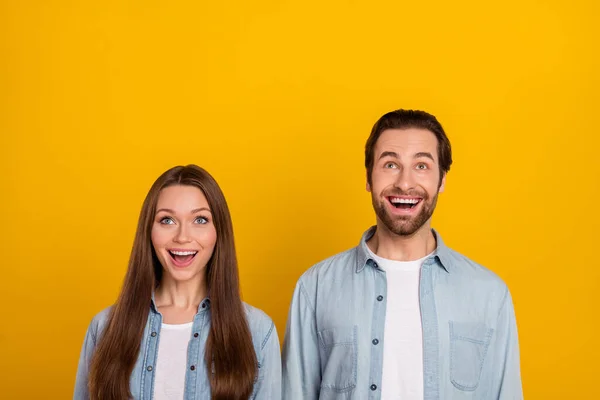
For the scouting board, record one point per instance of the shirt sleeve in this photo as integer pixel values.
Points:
(509, 385)
(301, 360)
(81, 380)
(268, 386)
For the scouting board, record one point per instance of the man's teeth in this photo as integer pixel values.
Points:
(183, 253)
(404, 201)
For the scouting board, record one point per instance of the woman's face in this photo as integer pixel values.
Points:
(183, 232)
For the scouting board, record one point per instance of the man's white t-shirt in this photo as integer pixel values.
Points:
(403, 332)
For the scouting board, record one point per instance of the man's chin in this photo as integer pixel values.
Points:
(406, 227)
(405, 230)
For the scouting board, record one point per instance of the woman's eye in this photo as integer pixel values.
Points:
(167, 221)
(201, 220)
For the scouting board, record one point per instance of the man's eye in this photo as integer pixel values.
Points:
(389, 165)
(421, 166)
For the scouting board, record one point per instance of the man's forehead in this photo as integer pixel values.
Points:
(411, 141)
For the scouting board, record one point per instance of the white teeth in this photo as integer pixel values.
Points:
(396, 200)
(183, 253)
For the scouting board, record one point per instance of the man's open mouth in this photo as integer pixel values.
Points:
(404, 203)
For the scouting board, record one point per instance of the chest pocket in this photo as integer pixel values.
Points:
(338, 348)
(469, 342)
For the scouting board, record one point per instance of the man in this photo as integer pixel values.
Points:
(402, 316)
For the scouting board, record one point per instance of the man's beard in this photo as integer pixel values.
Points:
(404, 225)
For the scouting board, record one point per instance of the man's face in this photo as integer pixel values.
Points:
(405, 181)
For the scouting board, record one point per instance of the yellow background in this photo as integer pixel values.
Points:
(276, 100)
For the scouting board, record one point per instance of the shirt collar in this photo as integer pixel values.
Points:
(203, 306)
(441, 252)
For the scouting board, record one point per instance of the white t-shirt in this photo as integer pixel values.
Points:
(169, 382)
(403, 332)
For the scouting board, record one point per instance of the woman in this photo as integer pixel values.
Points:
(179, 329)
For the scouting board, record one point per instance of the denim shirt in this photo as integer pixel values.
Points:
(197, 387)
(470, 344)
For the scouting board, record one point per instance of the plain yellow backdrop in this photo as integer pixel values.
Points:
(276, 100)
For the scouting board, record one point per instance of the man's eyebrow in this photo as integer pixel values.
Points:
(389, 154)
(417, 155)
(424, 154)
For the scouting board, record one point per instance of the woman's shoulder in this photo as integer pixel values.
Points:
(99, 322)
(257, 317)
(260, 324)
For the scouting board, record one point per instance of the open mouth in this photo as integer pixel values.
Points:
(182, 258)
(403, 203)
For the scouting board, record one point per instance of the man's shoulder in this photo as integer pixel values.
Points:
(340, 263)
(473, 272)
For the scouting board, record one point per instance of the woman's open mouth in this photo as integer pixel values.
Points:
(182, 258)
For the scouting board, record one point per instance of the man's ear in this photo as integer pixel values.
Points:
(442, 184)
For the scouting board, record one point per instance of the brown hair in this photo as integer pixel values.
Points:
(229, 350)
(405, 119)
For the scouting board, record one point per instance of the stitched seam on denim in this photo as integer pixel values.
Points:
(329, 346)
(464, 388)
(264, 342)
(339, 390)
(144, 365)
(503, 302)
(194, 346)
(466, 339)
(430, 361)
(303, 291)
(490, 332)
(345, 388)
(355, 353)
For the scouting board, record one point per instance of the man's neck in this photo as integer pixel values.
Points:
(387, 244)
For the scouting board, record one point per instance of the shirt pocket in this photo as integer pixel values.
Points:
(338, 348)
(469, 342)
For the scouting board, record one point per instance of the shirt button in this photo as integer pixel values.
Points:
(192, 367)
(153, 334)
(203, 305)
(375, 341)
(373, 387)
(196, 334)
(149, 368)
(379, 298)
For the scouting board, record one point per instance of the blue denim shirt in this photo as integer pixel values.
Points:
(470, 344)
(197, 386)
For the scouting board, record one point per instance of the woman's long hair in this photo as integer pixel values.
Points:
(229, 350)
